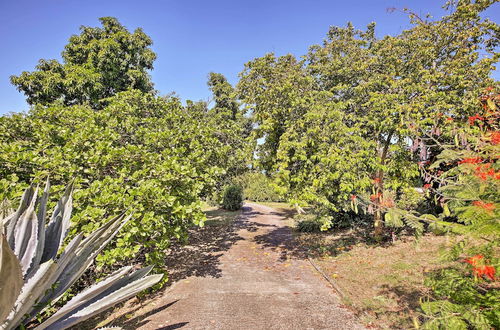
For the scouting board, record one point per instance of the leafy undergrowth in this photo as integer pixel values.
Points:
(383, 284)
(199, 257)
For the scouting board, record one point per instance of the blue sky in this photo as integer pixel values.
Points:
(191, 38)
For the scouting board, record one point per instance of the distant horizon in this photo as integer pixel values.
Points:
(190, 38)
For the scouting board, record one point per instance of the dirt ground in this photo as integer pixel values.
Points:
(251, 275)
(383, 284)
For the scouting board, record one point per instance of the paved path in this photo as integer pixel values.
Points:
(263, 283)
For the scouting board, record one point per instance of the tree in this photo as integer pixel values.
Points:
(97, 64)
(337, 122)
(230, 126)
(272, 89)
(141, 152)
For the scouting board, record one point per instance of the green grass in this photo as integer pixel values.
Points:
(276, 205)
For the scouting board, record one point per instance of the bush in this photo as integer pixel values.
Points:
(309, 226)
(312, 223)
(139, 152)
(258, 187)
(232, 199)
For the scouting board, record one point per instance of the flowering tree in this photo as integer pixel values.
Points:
(336, 123)
(464, 178)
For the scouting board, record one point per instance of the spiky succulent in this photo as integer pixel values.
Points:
(37, 267)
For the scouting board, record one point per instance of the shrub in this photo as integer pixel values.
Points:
(258, 187)
(37, 266)
(409, 199)
(312, 223)
(465, 178)
(232, 198)
(142, 152)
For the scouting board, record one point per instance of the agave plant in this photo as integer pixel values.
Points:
(37, 267)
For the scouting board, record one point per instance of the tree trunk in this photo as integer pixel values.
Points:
(378, 223)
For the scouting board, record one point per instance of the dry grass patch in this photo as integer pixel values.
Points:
(382, 284)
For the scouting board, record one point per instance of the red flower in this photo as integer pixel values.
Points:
(449, 119)
(487, 206)
(484, 171)
(495, 138)
(427, 186)
(479, 269)
(488, 271)
(475, 160)
(376, 180)
(353, 197)
(472, 119)
(475, 260)
(375, 197)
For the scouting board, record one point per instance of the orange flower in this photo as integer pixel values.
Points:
(376, 180)
(495, 138)
(484, 171)
(353, 197)
(427, 186)
(475, 260)
(375, 196)
(487, 206)
(475, 160)
(387, 203)
(472, 119)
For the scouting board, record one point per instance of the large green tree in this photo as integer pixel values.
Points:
(143, 153)
(97, 63)
(340, 121)
(231, 126)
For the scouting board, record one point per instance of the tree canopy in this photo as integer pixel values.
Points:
(98, 63)
(338, 122)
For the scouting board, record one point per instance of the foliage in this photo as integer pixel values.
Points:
(410, 199)
(468, 192)
(231, 127)
(257, 187)
(336, 122)
(140, 152)
(232, 198)
(309, 226)
(97, 63)
(38, 265)
(463, 302)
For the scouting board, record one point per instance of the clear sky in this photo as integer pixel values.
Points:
(191, 38)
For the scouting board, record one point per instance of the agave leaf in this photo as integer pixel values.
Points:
(87, 294)
(11, 277)
(86, 252)
(11, 221)
(26, 235)
(58, 226)
(104, 302)
(30, 292)
(42, 212)
(66, 257)
(40, 283)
